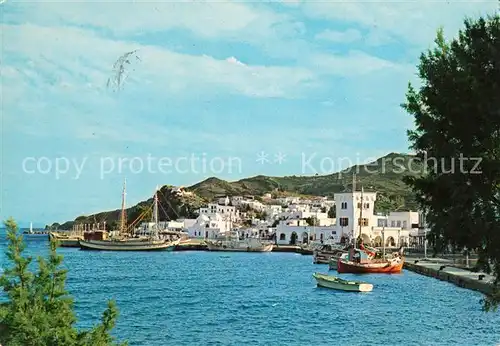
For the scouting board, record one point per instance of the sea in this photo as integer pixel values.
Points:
(210, 298)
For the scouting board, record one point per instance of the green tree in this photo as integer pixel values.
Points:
(332, 212)
(39, 310)
(261, 215)
(457, 135)
(312, 221)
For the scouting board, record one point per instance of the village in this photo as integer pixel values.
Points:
(299, 221)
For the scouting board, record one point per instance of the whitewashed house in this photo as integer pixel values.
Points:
(297, 232)
(357, 218)
(209, 226)
(214, 208)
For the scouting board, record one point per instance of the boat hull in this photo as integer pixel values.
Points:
(335, 283)
(69, 242)
(215, 247)
(389, 267)
(104, 245)
(334, 261)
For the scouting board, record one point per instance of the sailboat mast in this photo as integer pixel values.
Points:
(361, 213)
(354, 206)
(123, 214)
(155, 211)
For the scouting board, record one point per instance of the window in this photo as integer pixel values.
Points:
(404, 224)
(367, 205)
(282, 236)
(334, 232)
(393, 223)
(398, 224)
(343, 221)
(382, 223)
(343, 205)
(363, 222)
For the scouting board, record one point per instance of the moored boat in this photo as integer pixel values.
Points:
(128, 245)
(233, 243)
(336, 283)
(357, 262)
(124, 240)
(323, 254)
(333, 264)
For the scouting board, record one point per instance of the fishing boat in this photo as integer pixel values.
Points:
(324, 253)
(124, 241)
(358, 262)
(334, 260)
(233, 243)
(336, 283)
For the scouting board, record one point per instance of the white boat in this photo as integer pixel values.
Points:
(233, 243)
(124, 242)
(336, 283)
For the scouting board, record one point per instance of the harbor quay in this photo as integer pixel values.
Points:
(446, 270)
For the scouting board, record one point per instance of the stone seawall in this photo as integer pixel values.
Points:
(443, 270)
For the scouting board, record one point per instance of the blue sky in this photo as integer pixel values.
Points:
(317, 81)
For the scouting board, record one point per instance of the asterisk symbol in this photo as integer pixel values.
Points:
(279, 157)
(262, 157)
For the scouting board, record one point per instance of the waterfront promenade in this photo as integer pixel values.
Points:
(446, 270)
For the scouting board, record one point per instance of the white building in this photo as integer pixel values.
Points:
(273, 211)
(289, 234)
(210, 226)
(405, 219)
(355, 217)
(214, 208)
(253, 204)
(288, 200)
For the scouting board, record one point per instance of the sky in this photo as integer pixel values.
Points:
(210, 88)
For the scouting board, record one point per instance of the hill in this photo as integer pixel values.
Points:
(384, 176)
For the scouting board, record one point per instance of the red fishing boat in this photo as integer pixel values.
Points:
(358, 262)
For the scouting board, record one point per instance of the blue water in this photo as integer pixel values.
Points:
(203, 298)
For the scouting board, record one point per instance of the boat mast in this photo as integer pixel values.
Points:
(361, 213)
(155, 212)
(354, 206)
(123, 216)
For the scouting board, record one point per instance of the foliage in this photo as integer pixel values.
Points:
(39, 310)
(332, 212)
(457, 116)
(261, 215)
(312, 221)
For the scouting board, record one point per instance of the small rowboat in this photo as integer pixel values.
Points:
(333, 282)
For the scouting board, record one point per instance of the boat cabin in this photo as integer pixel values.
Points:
(358, 256)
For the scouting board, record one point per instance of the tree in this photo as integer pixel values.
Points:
(332, 212)
(39, 310)
(261, 215)
(457, 136)
(312, 221)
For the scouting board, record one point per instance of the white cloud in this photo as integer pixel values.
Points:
(355, 63)
(88, 65)
(416, 22)
(347, 36)
(207, 19)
